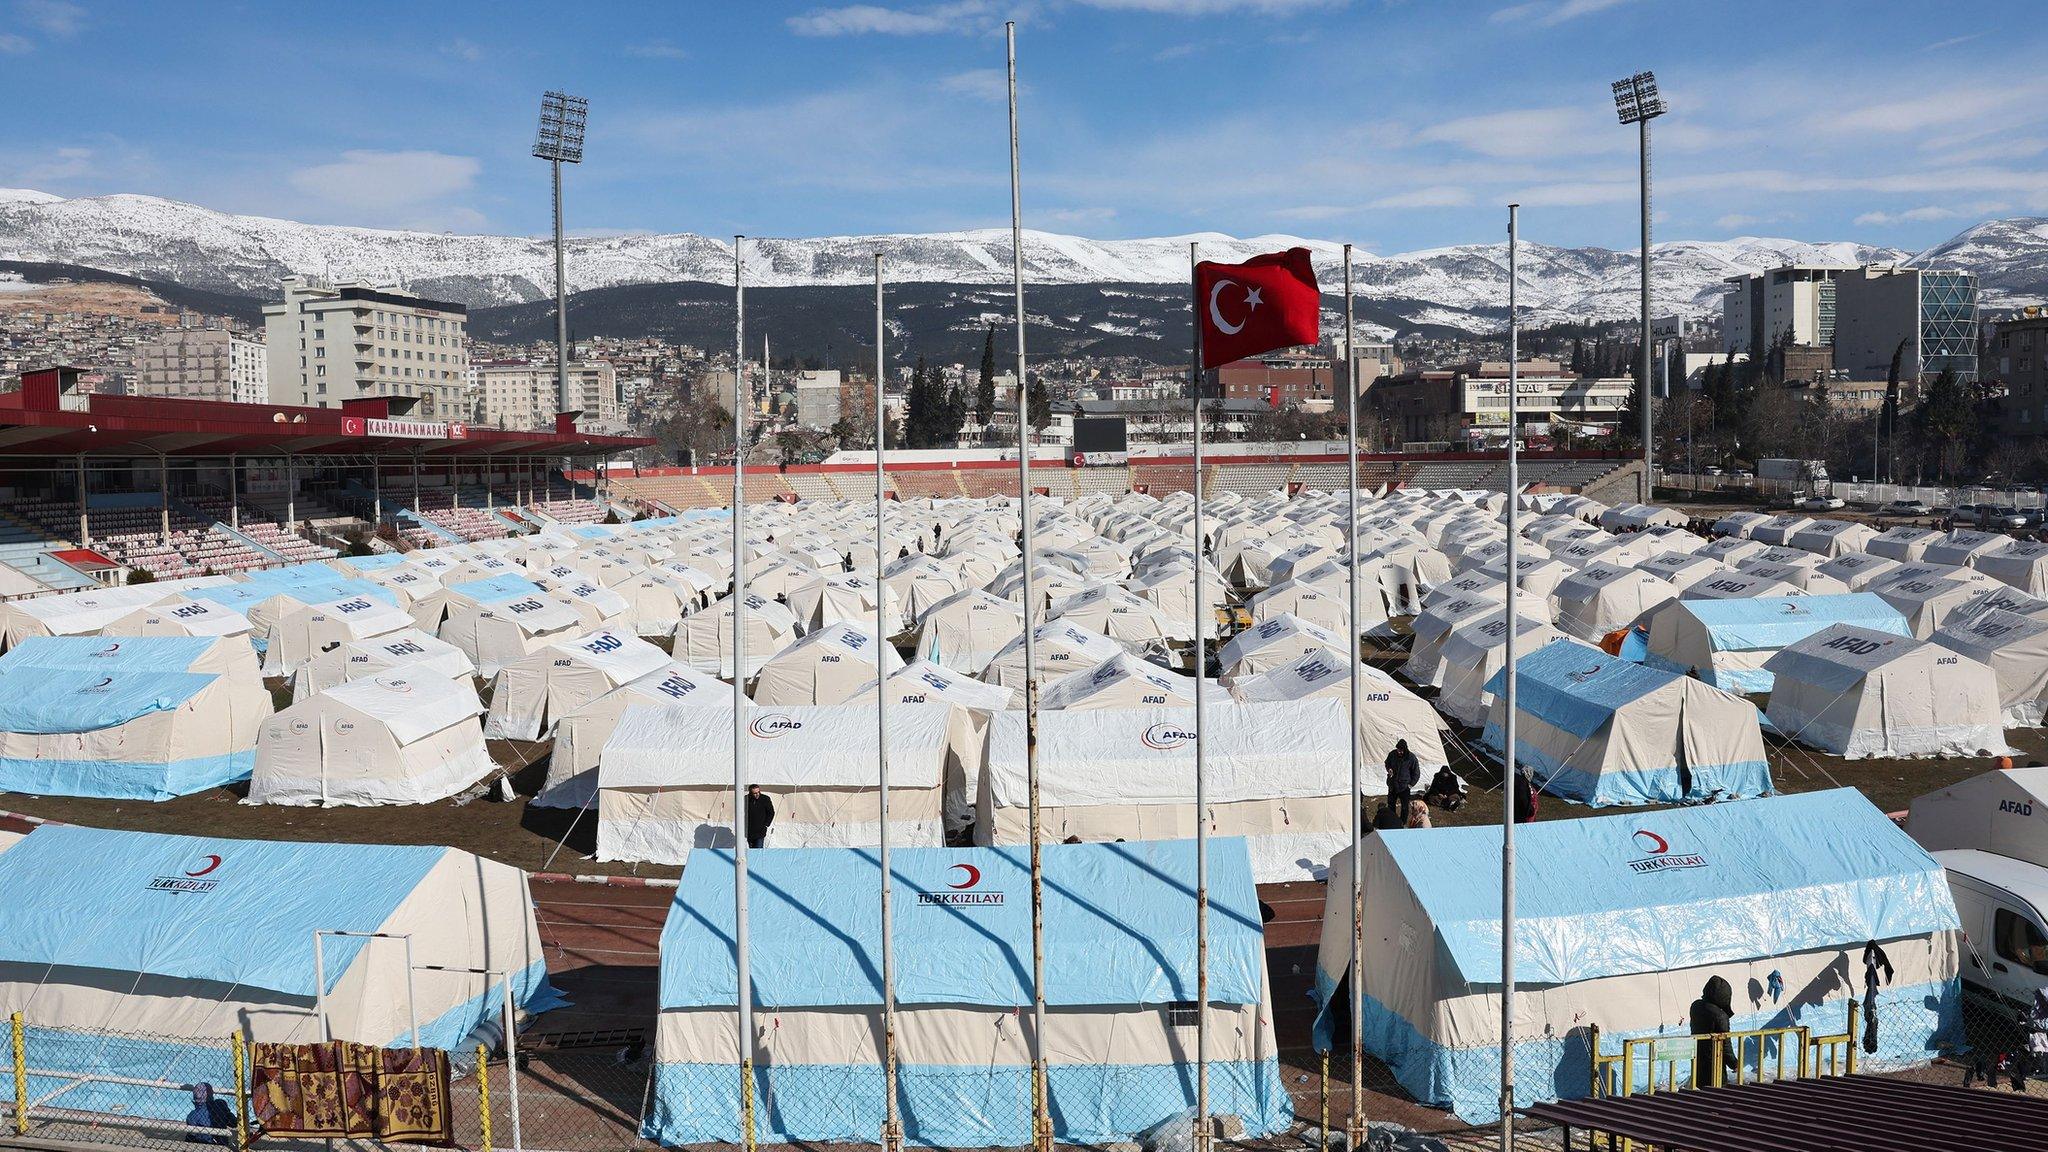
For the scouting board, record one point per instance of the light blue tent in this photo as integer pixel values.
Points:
(1620, 923)
(1603, 730)
(136, 956)
(128, 717)
(1120, 976)
(1727, 641)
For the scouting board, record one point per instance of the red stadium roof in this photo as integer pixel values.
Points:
(46, 418)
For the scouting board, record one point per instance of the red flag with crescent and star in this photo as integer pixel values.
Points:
(1267, 302)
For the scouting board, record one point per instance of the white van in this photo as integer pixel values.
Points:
(2003, 904)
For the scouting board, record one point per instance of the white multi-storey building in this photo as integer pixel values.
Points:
(202, 364)
(353, 341)
(521, 394)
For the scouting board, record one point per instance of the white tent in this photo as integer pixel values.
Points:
(1060, 648)
(1621, 920)
(1740, 524)
(1857, 569)
(1998, 811)
(1278, 775)
(1326, 605)
(84, 613)
(1925, 601)
(972, 705)
(1738, 585)
(499, 620)
(393, 738)
(832, 598)
(1601, 598)
(1905, 543)
(303, 632)
(1859, 693)
(1726, 642)
(1779, 530)
(703, 640)
(1832, 538)
(1387, 712)
(1682, 570)
(131, 957)
(825, 667)
(2015, 648)
(419, 592)
(1123, 616)
(1476, 649)
(1807, 578)
(529, 695)
(1962, 546)
(580, 734)
(179, 616)
(1122, 681)
(665, 778)
(596, 604)
(1425, 652)
(412, 649)
(1732, 550)
(1273, 642)
(660, 596)
(139, 717)
(964, 631)
(2022, 564)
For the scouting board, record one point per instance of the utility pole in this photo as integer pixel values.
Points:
(1636, 102)
(559, 142)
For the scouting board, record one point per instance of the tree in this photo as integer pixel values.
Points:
(985, 391)
(1040, 404)
(1888, 416)
(1946, 421)
(696, 427)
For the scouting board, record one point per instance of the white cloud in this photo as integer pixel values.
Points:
(1735, 220)
(465, 50)
(13, 45)
(1438, 196)
(1531, 133)
(392, 189)
(990, 84)
(1074, 217)
(1909, 216)
(657, 50)
(959, 16)
(1213, 7)
(58, 19)
(1549, 13)
(1951, 42)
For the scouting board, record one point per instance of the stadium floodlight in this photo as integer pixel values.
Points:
(1636, 102)
(560, 138)
(559, 142)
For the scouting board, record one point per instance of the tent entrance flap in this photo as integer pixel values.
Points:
(412, 1003)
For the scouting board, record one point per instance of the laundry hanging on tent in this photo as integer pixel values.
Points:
(341, 1090)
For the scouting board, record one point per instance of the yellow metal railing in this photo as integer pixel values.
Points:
(1784, 1053)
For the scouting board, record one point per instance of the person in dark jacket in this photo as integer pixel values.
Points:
(760, 814)
(1404, 772)
(1713, 1013)
(208, 1111)
(1525, 797)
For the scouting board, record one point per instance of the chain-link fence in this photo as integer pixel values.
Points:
(121, 1088)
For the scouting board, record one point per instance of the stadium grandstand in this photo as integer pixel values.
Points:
(98, 487)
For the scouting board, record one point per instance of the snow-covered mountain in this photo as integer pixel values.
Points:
(1462, 286)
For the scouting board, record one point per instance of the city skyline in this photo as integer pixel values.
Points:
(1398, 127)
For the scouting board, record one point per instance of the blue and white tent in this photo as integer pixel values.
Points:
(128, 717)
(135, 955)
(500, 619)
(1727, 641)
(1603, 730)
(1119, 975)
(1621, 921)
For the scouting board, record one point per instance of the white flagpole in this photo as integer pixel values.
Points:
(739, 695)
(892, 1131)
(1041, 1104)
(1355, 1128)
(1507, 790)
(1203, 1129)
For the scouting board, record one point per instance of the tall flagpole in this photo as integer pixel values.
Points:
(1355, 1128)
(892, 1131)
(739, 695)
(1041, 1103)
(1203, 1130)
(1507, 790)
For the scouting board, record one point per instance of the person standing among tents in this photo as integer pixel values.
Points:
(1713, 1014)
(760, 814)
(1404, 772)
(2037, 1033)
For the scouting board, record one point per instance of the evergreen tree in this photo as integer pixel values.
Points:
(1040, 404)
(1888, 416)
(985, 392)
(1946, 421)
(923, 409)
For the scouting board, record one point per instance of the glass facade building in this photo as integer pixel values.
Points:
(1948, 323)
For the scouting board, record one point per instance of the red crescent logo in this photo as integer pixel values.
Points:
(212, 862)
(973, 876)
(1651, 842)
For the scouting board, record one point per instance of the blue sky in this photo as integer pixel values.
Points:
(1395, 124)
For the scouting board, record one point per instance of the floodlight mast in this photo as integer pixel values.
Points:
(1636, 102)
(559, 142)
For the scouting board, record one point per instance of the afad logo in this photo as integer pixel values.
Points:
(197, 879)
(1167, 737)
(773, 724)
(1659, 855)
(963, 890)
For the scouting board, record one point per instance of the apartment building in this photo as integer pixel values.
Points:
(202, 364)
(354, 341)
(521, 394)
(1470, 403)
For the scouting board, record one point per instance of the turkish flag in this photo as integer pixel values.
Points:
(1267, 302)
